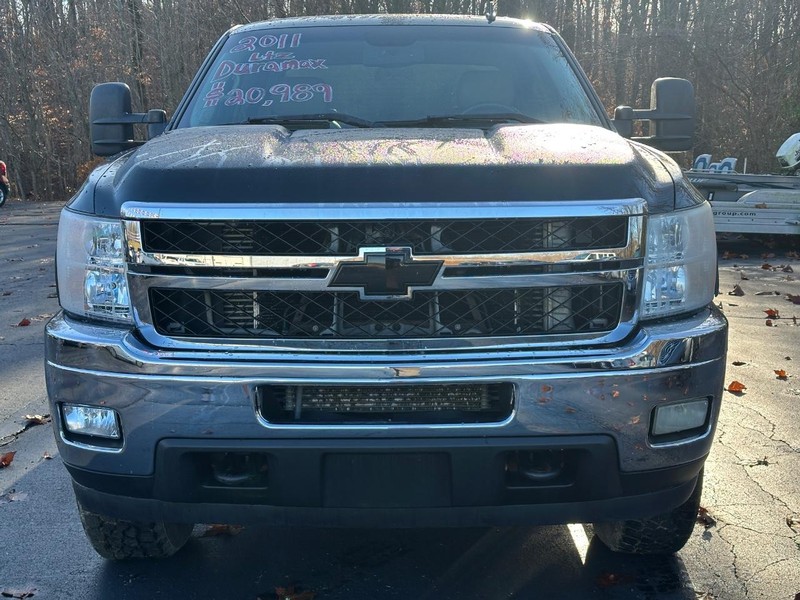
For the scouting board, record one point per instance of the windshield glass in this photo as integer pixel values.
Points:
(387, 74)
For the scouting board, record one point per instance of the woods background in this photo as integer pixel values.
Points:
(741, 55)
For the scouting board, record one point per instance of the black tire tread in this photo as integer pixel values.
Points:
(114, 539)
(661, 534)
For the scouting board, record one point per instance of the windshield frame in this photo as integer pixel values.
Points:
(179, 119)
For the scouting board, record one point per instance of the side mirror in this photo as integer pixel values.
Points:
(111, 120)
(671, 112)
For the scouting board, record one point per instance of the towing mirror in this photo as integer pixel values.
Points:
(671, 115)
(111, 120)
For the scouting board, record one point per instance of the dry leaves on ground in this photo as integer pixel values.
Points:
(24, 323)
(736, 387)
(705, 519)
(6, 459)
(13, 495)
(33, 420)
(24, 593)
(736, 291)
(781, 374)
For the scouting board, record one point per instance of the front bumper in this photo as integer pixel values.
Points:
(596, 403)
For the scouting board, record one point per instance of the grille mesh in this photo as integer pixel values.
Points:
(339, 238)
(426, 403)
(342, 315)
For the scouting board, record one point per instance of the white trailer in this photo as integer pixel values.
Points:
(763, 204)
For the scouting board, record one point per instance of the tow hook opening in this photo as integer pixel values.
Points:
(532, 468)
(238, 469)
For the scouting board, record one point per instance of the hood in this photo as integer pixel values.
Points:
(269, 164)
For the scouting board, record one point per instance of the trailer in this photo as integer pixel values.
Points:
(750, 203)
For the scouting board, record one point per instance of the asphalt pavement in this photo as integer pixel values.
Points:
(746, 544)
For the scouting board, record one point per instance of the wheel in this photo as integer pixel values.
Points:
(489, 108)
(119, 540)
(662, 534)
(3, 193)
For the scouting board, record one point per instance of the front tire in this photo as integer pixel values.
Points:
(3, 193)
(114, 539)
(662, 534)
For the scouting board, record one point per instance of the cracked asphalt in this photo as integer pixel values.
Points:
(749, 546)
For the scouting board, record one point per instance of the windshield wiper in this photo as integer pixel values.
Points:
(488, 119)
(313, 121)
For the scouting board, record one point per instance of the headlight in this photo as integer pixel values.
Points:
(91, 267)
(681, 265)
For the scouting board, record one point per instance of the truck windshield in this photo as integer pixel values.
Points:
(390, 75)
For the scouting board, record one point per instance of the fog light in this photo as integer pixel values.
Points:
(91, 420)
(683, 416)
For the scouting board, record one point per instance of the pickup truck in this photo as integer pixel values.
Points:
(385, 271)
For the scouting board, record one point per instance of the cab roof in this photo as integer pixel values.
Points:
(391, 19)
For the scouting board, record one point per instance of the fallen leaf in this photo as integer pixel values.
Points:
(33, 420)
(743, 277)
(793, 521)
(781, 374)
(570, 410)
(46, 456)
(765, 256)
(727, 255)
(13, 496)
(788, 269)
(292, 593)
(635, 420)
(737, 291)
(615, 394)
(12, 593)
(704, 595)
(773, 293)
(24, 323)
(744, 256)
(738, 363)
(736, 387)
(6, 459)
(773, 313)
(704, 518)
(768, 323)
(793, 299)
(766, 267)
(221, 529)
(7, 293)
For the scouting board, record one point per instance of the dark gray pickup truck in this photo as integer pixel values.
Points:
(387, 271)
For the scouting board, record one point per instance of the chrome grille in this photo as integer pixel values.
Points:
(343, 315)
(344, 238)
